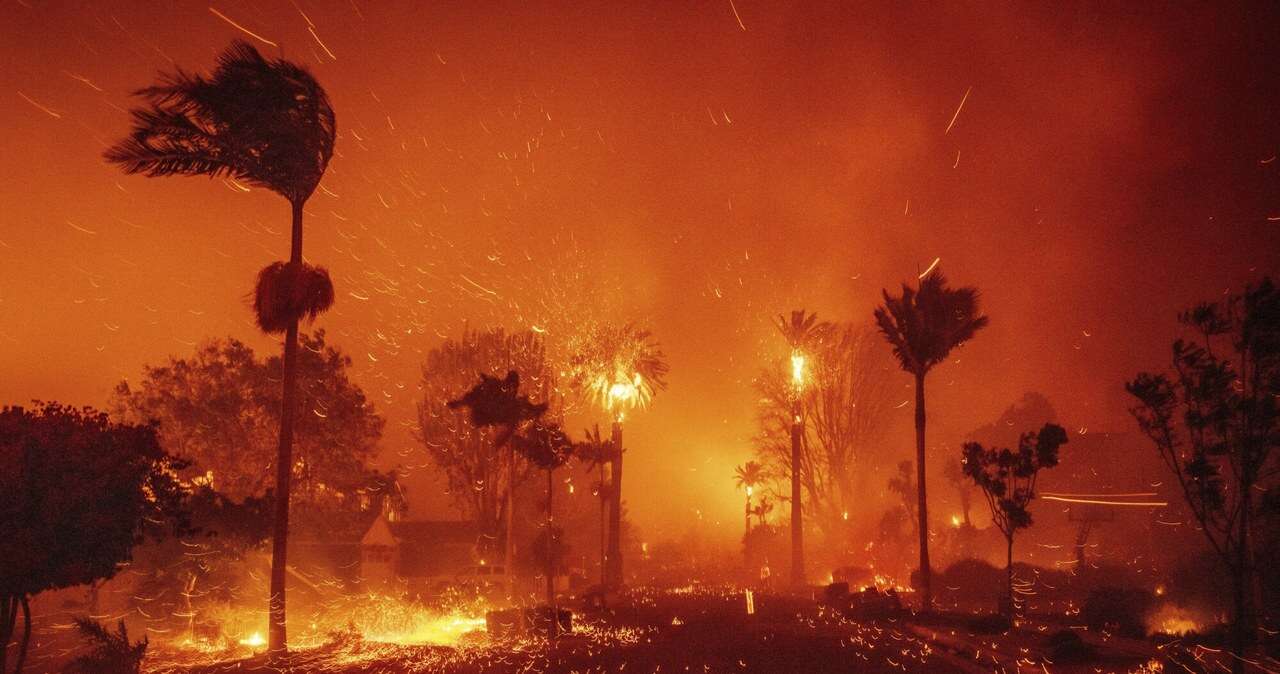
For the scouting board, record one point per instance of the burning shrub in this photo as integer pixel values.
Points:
(1118, 610)
(112, 653)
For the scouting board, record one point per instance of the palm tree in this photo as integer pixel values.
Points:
(597, 451)
(802, 332)
(618, 367)
(268, 123)
(748, 476)
(546, 446)
(923, 325)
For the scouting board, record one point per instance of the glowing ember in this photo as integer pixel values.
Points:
(254, 640)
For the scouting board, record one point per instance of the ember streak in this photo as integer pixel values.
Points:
(622, 204)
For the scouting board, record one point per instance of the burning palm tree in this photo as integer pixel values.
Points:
(748, 476)
(923, 325)
(803, 333)
(268, 123)
(618, 368)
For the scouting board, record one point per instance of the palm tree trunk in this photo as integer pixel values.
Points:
(8, 614)
(604, 529)
(26, 634)
(277, 642)
(797, 514)
(509, 545)
(551, 562)
(926, 572)
(614, 556)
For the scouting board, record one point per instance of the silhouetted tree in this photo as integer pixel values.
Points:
(497, 404)
(923, 325)
(270, 124)
(843, 404)
(219, 408)
(617, 368)
(111, 653)
(1216, 423)
(77, 493)
(480, 471)
(546, 446)
(596, 451)
(803, 334)
(902, 484)
(1008, 480)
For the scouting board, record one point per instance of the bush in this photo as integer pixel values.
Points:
(990, 624)
(1066, 646)
(111, 653)
(1118, 610)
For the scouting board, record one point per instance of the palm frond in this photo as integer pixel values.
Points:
(923, 326)
(288, 292)
(268, 123)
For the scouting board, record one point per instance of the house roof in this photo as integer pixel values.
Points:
(434, 532)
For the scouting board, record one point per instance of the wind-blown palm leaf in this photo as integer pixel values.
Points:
(803, 331)
(750, 474)
(924, 326)
(266, 122)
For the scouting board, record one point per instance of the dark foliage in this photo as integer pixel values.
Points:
(1215, 421)
(545, 445)
(923, 325)
(497, 402)
(219, 408)
(287, 292)
(1007, 479)
(1118, 610)
(112, 653)
(77, 493)
(267, 122)
(1065, 646)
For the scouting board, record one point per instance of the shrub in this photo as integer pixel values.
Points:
(1066, 646)
(1118, 610)
(112, 653)
(990, 624)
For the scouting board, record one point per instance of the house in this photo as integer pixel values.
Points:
(425, 555)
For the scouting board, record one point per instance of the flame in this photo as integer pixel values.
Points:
(254, 640)
(797, 369)
(1173, 620)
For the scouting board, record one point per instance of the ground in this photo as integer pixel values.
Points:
(701, 629)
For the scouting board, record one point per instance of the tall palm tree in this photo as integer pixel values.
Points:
(618, 367)
(803, 332)
(268, 123)
(923, 325)
(748, 476)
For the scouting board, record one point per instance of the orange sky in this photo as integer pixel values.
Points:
(1105, 170)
